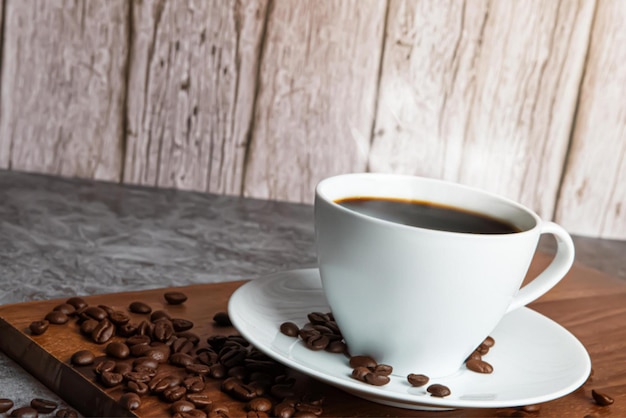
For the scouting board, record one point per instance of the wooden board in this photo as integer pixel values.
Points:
(588, 303)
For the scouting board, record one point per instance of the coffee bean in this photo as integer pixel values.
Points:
(110, 379)
(182, 345)
(482, 349)
(531, 408)
(66, 413)
(489, 342)
(103, 332)
(218, 371)
(376, 379)
(130, 401)
(104, 365)
(289, 329)
(181, 406)
(119, 318)
(260, 404)
(82, 358)
(117, 350)
(474, 356)
(337, 346)
(5, 405)
(200, 400)
(232, 357)
(417, 380)
(309, 408)
(190, 336)
(242, 392)
(139, 307)
(76, 302)
(601, 399)
(95, 312)
(159, 314)
(163, 329)
(438, 390)
(181, 359)
(194, 384)
(38, 327)
(43, 406)
(107, 309)
(87, 326)
(222, 319)
(317, 342)
(145, 328)
(126, 330)
(282, 391)
(162, 381)
(140, 350)
(175, 298)
(174, 393)
(383, 369)
(479, 366)
(138, 339)
(199, 369)
(360, 372)
(318, 318)
(24, 412)
(66, 308)
(138, 376)
(181, 325)
(140, 388)
(123, 367)
(145, 362)
(362, 361)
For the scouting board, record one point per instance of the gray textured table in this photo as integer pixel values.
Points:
(61, 237)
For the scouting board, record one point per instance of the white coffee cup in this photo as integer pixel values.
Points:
(421, 300)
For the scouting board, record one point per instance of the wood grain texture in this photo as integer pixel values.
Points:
(317, 88)
(191, 92)
(593, 196)
(63, 87)
(481, 92)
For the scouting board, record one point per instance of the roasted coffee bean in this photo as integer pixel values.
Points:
(181, 325)
(282, 391)
(489, 342)
(194, 384)
(130, 401)
(362, 361)
(95, 312)
(438, 390)
(43, 406)
(159, 314)
(182, 406)
(232, 357)
(66, 308)
(87, 326)
(5, 405)
(289, 329)
(376, 379)
(104, 365)
(182, 345)
(140, 350)
(107, 309)
(383, 369)
(199, 369)
(126, 330)
(216, 342)
(103, 332)
(310, 408)
(317, 342)
(239, 372)
(417, 380)
(140, 388)
(360, 372)
(200, 400)
(174, 393)
(181, 359)
(117, 350)
(337, 346)
(38, 327)
(82, 358)
(482, 349)
(218, 371)
(139, 307)
(479, 366)
(119, 318)
(474, 356)
(24, 412)
(163, 329)
(145, 362)
(243, 392)
(601, 399)
(306, 333)
(138, 339)
(145, 328)
(175, 298)
(110, 379)
(76, 302)
(138, 376)
(123, 368)
(190, 336)
(222, 319)
(284, 410)
(162, 381)
(66, 413)
(318, 318)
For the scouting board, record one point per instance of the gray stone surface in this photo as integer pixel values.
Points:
(63, 237)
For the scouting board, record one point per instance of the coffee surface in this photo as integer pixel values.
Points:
(428, 215)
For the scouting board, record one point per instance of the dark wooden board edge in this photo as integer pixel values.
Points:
(59, 377)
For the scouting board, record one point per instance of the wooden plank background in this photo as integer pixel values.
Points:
(264, 98)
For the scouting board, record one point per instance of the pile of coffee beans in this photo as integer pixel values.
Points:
(160, 356)
(37, 406)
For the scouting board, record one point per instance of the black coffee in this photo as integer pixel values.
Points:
(429, 215)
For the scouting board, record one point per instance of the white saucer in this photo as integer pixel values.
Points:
(534, 359)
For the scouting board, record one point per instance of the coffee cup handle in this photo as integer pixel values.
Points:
(555, 271)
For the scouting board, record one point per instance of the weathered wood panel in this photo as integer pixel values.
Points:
(593, 195)
(63, 87)
(317, 89)
(482, 92)
(191, 92)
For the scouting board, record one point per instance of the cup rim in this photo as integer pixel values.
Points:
(322, 194)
